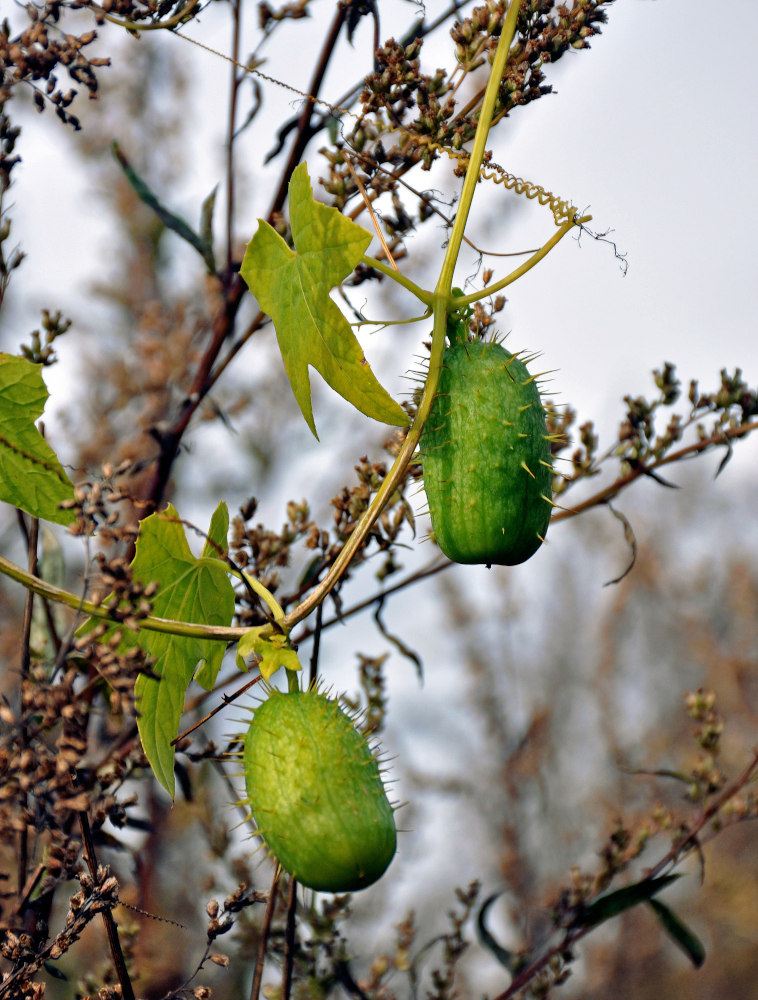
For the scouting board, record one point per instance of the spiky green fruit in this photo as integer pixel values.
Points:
(316, 793)
(486, 457)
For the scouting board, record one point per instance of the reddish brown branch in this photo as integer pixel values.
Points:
(304, 133)
(680, 849)
(610, 492)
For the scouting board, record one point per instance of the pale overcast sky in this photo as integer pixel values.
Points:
(654, 130)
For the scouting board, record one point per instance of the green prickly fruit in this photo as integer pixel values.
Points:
(486, 457)
(316, 793)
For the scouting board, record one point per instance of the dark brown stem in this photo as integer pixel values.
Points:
(234, 88)
(234, 287)
(170, 440)
(313, 671)
(234, 290)
(111, 927)
(268, 917)
(289, 940)
(32, 536)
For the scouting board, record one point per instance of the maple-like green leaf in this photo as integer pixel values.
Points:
(215, 548)
(273, 652)
(31, 477)
(293, 287)
(190, 590)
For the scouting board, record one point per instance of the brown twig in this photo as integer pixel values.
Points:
(691, 841)
(304, 133)
(226, 699)
(268, 917)
(610, 492)
(170, 440)
(313, 669)
(234, 88)
(111, 927)
(680, 849)
(289, 940)
(438, 564)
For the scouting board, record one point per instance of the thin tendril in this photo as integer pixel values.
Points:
(562, 210)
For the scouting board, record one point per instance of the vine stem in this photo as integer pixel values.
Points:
(136, 26)
(168, 626)
(440, 302)
(467, 300)
(399, 277)
(265, 595)
(477, 152)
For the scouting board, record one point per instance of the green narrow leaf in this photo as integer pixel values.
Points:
(191, 590)
(293, 287)
(171, 221)
(679, 932)
(661, 773)
(52, 970)
(622, 899)
(206, 230)
(31, 477)
(505, 957)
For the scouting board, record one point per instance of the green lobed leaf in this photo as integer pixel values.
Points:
(31, 477)
(215, 547)
(622, 899)
(679, 932)
(293, 287)
(190, 590)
